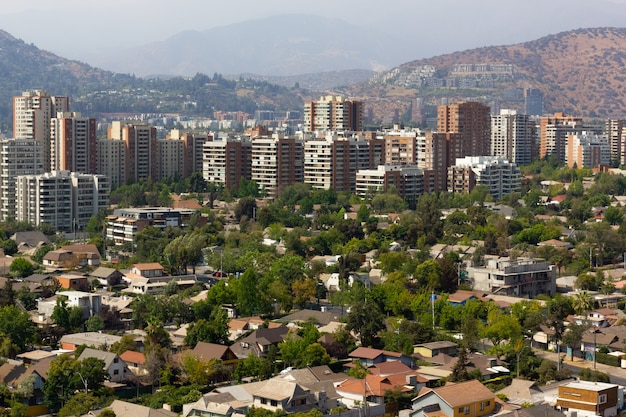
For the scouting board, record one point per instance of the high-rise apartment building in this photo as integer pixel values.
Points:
(141, 156)
(587, 150)
(400, 148)
(500, 176)
(65, 200)
(553, 133)
(408, 180)
(193, 142)
(533, 102)
(111, 156)
(332, 162)
(472, 121)
(333, 113)
(433, 158)
(277, 162)
(226, 161)
(614, 129)
(73, 143)
(512, 136)
(33, 112)
(17, 157)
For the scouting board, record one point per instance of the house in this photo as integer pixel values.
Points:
(469, 398)
(428, 350)
(91, 303)
(207, 351)
(589, 399)
(116, 367)
(59, 260)
(29, 242)
(156, 284)
(135, 361)
(321, 318)
(123, 408)
(72, 341)
(281, 395)
(148, 270)
(259, 342)
(12, 375)
(86, 254)
(373, 388)
(107, 277)
(369, 357)
(488, 366)
(238, 326)
(73, 282)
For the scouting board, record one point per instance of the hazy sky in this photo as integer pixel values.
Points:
(71, 27)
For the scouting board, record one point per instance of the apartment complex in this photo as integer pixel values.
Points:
(521, 277)
(587, 150)
(141, 156)
(499, 175)
(333, 113)
(472, 121)
(408, 180)
(401, 148)
(553, 133)
(33, 112)
(512, 136)
(73, 143)
(17, 157)
(277, 162)
(614, 129)
(226, 161)
(65, 200)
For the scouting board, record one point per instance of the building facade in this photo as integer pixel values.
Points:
(73, 143)
(587, 150)
(512, 136)
(333, 113)
(65, 200)
(17, 157)
(521, 277)
(553, 133)
(472, 121)
(408, 180)
(141, 154)
(277, 162)
(500, 176)
(226, 161)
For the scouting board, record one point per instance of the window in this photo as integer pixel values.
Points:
(602, 399)
(274, 403)
(467, 409)
(482, 406)
(116, 372)
(263, 401)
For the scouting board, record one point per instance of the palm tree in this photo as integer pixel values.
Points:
(582, 302)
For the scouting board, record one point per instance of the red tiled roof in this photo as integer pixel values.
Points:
(131, 356)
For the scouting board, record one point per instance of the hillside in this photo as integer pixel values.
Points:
(580, 72)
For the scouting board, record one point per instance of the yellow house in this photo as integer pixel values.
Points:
(465, 399)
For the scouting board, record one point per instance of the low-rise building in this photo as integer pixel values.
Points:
(590, 399)
(469, 398)
(521, 277)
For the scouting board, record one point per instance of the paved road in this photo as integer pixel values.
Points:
(618, 375)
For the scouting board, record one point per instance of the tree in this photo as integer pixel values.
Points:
(213, 330)
(428, 275)
(197, 371)
(573, 337)
(246, 206)
(21, 267)
(127, 342)
(613, 215)
(17, 326)
(94, 324)
(59, 386)
(80, 404)
(314, 354)
(91, 373)
(582, 302)
(366, 320)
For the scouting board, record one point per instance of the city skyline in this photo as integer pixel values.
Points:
(459, 25)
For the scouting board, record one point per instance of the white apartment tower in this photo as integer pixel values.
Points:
(17, 157)
(33, 112)
(65, 200)
(512, 136)
(499, 175)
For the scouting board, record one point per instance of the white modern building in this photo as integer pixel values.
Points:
(521, 277)
(65, 200)
(408, 180)
(512, 136)
(277, 162)
(587, 150)
(17, 157)
(499, 175)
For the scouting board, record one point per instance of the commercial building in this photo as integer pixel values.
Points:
(521, 277)
(65, 200)
(333, 113)
(499, 175)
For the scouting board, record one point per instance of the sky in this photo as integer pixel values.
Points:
(76, 28)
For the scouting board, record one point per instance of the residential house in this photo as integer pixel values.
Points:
(86, 254)
(469, 398)
(488, 366)
(72, 341)
(107, 277)
(238, 326)
(135, 361)
(123, 408)
(148, 270)
(589, 399)
(207, 351)
(91, 303)
(369, 356)
(259, 342)
(12, 375)
(59, 259)
(73, 282)
(372, 389)
(612, 338)
(156, 284)
(431, 349)
(116, 367)
(281, 395)
(29, 242)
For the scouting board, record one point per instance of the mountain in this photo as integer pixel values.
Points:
(279, 46)
(580, 72)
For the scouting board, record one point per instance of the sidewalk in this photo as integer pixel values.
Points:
(582, 363)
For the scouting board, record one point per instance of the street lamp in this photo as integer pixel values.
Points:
(595, 332)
